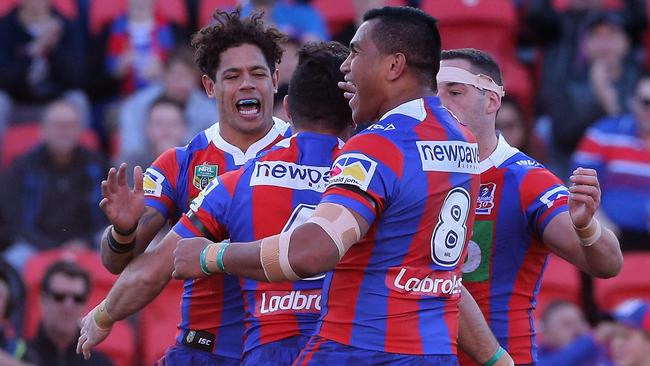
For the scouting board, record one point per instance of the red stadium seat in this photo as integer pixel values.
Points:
(207, 8)
(120, 345)
(561, 281)
(632, 282)
(67, 8)
(159, 321)
(21, 138)
(339, 13)
(102, 12)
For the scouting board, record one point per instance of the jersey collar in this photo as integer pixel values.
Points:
(240, 157)
(414, 109)
(502, 153)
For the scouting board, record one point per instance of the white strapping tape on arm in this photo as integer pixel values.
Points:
(339, 224)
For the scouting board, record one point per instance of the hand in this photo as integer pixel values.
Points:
(584, 196)
(91, 334)
(603, 87)
(348, 88)
(187, 263)
(122, 205)
(505, 360)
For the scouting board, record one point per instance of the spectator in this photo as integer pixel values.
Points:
(165, 128)
(41, 58)
(631, 340)
(566, 338)
(13, 350)
(511, 124)
(64, 292)
(297, 20)
(180, 83)
(588, 69)
(55, 189)
(618, 148)
(137, 46)
(289, 61)
(345, 35)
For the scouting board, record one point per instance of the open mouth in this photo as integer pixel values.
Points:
(248, 107)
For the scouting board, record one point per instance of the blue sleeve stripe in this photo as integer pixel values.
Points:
(350, 203)
(183, 231)
(158, 206)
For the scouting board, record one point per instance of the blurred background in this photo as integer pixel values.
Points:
(87, 84)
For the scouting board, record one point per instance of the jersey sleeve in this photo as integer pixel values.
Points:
(542, 196)
(160, 184)
(368, 166)
(207, 214)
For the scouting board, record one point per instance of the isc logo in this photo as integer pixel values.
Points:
(204, 341)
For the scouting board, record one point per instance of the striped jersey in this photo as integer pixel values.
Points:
(397, 289)
(622, 159)
(271, 194)
(506, 256)
(173, 180)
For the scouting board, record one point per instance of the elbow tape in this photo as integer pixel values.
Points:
(274, 256)
(339, 224)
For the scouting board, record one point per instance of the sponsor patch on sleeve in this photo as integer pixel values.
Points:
(152, 183)
(353, 169)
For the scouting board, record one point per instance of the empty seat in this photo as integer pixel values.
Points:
(561, 281)
(632, 282)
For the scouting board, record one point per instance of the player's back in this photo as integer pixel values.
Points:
(506, 257)
(274, 193)
(397, 289)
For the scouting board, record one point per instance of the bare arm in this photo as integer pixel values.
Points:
(603, 258)
(149, 225)
(311, 251)
(124, 207)
(475, 336)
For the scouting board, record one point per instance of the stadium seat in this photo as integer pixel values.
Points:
(120, 345)
(561, 281)
(632, 282)
(159, 321)
(67, 8)
(19, 139)
(102, 12)
(207, 8)
(339, 13)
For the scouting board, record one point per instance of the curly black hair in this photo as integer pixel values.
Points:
(230, 30)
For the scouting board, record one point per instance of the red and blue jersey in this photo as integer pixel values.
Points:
(212, 304)
(614, 148)
(506, 256)
(413, 176)
(273, 193)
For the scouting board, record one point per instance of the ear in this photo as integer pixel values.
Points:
(208, 85)
(494, 103)
(285, 104)
(274, 78)
(397, 66)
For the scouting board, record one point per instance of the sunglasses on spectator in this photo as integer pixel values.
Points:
(60, 297)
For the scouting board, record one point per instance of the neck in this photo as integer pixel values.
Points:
(401, 95)
(343, 135)
(487, 143)
(243, 140)
(60, 340)
(61, 158)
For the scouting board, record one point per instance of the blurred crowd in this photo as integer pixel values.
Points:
(88, 84)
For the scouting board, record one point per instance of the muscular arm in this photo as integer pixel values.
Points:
(148, 226)
(601, 259)
(474, 335)
(143, 279)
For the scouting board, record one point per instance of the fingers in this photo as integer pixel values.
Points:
(81, 341)
(112, 180)
(585, 176)
(138, 178)
(105, 189)
(585, 199)
(590, 191)
(348, 89)
(121, 175)
(103, 203)
(85, 348)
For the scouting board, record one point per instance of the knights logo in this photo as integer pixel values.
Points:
(203, 174)
(190, 336)
(485, 202)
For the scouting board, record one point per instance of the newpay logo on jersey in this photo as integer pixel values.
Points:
(353, 169)
(203, 174)
(152, 182)
(290, 175)
(449, 156)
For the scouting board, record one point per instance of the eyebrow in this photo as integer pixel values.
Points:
(252, 68)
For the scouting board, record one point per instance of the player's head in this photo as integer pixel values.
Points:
(238, 58)
(631, 341)
(314, 101)
(62, 127)
(562, 322)
(394, 54)
(471, 87)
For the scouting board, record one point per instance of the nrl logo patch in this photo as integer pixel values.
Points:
(190, 336)
(203, 174)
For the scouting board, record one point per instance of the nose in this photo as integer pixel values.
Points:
(345, 66)
(247, 82)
